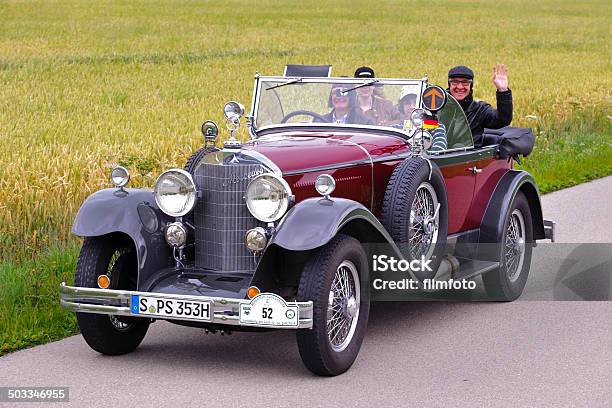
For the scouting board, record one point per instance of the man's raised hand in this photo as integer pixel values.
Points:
(500, 77)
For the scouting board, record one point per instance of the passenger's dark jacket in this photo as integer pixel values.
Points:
(481, 115)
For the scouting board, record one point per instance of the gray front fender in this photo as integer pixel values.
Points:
(132, 212)
(315, 221)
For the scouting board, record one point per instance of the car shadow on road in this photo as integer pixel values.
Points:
(273, 353)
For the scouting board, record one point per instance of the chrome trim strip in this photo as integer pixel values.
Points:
(371, 171)
(329, 167)
(465, 155)
(390, 157)
(331, 80)
(224, 310)
(338, 126)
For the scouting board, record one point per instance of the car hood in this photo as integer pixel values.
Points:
(296, 152)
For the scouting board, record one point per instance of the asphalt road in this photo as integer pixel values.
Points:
(526, 353)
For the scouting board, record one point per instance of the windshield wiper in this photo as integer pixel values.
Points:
(360, 86)
(295, 81)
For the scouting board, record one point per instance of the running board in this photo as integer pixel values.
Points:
(468, 268)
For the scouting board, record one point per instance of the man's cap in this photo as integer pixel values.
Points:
(364, 72)
(461, 71)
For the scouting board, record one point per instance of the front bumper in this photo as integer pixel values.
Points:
(118, 302)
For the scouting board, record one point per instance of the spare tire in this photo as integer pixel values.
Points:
(415, 211)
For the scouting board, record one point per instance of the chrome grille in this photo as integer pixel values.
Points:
(222, 218)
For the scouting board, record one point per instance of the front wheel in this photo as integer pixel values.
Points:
(508, 281)
(115, 257)
(332, 280)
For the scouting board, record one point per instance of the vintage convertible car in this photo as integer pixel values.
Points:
(274, 233)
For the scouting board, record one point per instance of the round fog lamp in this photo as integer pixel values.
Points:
(325, 184)
(120, 176)
(256, 239)
(176, 235)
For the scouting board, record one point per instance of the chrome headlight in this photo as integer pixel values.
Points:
(175, 192)
(267, 197)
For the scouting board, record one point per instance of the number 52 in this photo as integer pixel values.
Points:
(266, 312)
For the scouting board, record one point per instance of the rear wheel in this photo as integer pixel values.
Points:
(508, 281)
(332, 280)
(115, 257)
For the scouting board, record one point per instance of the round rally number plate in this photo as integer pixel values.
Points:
(268, 309)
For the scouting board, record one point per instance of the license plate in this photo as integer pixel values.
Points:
(157, 306)
(268, 309)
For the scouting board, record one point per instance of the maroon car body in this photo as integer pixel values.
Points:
(302, 156)
(275, 232)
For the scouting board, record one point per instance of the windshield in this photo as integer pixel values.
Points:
(386, 103)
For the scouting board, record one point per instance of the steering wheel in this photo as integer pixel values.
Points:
(303, 112)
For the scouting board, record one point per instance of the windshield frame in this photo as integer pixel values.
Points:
(259, 80)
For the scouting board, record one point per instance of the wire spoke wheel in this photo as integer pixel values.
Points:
(331, 279)
(424, 222)
(513, 251)
(514, 245)
(343, 306)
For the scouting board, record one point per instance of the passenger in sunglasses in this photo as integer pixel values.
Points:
(373, 104)
(344, 110)
(480, 114)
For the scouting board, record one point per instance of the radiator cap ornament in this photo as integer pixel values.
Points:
(210, 130)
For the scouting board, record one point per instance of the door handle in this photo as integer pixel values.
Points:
(474, 170)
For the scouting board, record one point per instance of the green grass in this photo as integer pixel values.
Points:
(30, 313)
(88, 85)
(572, 159)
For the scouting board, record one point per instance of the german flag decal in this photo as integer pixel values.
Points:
(430, 124)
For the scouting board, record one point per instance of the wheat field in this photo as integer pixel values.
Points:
(87, 85)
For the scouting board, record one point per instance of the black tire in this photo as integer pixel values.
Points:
(112, 335)
(315, 346)
(406, 179)
(507, 283)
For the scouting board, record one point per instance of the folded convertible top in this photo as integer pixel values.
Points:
(512, 141)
